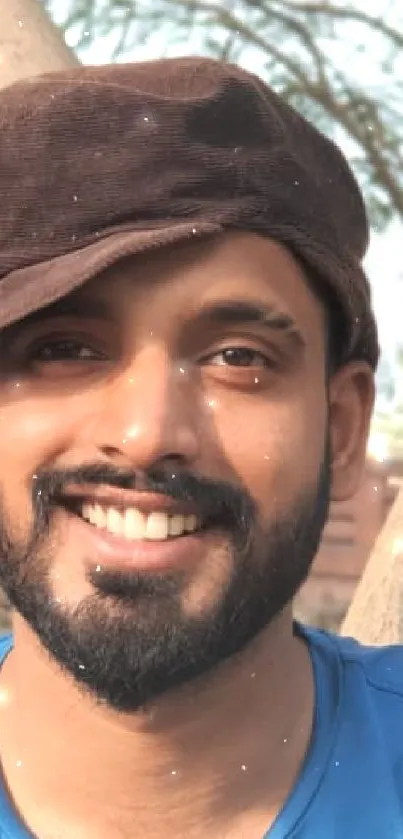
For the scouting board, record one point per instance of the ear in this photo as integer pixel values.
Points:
(351, 400)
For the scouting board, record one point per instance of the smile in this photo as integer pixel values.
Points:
(139, 530)
(135, 525)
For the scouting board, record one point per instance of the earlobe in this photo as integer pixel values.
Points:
(351, 400)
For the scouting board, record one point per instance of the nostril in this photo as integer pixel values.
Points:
(110, 451)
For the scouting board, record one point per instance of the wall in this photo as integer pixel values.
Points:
(347, 541)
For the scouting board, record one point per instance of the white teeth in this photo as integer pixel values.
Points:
(114, 521)
(98, 516)
(132, 524)
(176, 525)
(157, 526)
(190, 524)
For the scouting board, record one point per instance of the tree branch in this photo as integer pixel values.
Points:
(229, 21)
(278, 29)
(357, 128)
(298, 28)
(319, 90)
(346, 13)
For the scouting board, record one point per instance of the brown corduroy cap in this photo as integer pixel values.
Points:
(97, 163)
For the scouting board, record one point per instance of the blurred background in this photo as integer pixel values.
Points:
(341, 64)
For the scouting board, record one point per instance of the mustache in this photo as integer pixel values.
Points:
(217, 501)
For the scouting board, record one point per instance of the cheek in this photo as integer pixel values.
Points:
(274, 447)
(27, 434)
(32, 434)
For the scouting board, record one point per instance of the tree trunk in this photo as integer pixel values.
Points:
(30, 43)
(376, 612)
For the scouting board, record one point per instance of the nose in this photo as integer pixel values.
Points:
(148, 415)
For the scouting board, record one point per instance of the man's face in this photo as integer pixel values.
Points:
(166, 435)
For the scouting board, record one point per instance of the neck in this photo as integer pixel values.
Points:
(238, 735)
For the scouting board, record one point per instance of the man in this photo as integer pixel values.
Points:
(187, 378)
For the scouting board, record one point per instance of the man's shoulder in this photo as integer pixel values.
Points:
(381, 668)
(357, 737)
(6, 642)
(363, 690)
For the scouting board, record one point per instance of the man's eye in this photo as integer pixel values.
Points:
(65, 350)
(239, 357)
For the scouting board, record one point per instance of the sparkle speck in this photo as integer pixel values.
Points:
(174, 772)
(75, 198)
(132, 432)
(337, 763)
(244, 767)
(194, 230)
(98, 568)
(81, 666)
(397, 547)
(285, 740)
(19, 763)
(4, 697)
(20, 24)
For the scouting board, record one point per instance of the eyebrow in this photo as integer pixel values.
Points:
(242, 312)
(222, 313)
(81, 308)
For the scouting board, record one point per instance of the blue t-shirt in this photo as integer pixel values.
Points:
(351, 783)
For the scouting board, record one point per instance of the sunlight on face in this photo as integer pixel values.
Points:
(166, 410)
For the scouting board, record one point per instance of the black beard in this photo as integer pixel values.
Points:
(129, 642)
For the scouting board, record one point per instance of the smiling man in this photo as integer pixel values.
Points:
(186, 380)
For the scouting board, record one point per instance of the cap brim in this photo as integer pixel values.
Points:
(33, 287)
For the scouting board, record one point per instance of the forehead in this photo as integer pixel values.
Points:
(234, 266)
